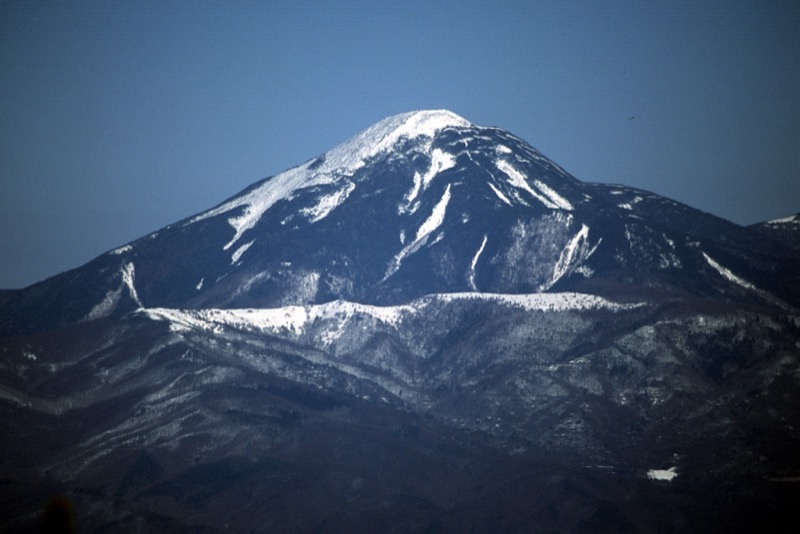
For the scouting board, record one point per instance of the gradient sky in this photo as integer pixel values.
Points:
(121, 117)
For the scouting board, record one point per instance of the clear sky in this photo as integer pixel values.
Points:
(118, 118)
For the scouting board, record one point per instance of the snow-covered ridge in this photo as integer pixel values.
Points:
(353, 154)
(337, 164)
(792, 219)
(296, 318)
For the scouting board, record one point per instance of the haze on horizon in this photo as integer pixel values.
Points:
(121, 118)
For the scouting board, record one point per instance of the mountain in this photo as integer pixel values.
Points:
(430, 327)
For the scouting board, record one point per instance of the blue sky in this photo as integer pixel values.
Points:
(121, 117)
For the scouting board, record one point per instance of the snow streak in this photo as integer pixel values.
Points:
(570, 254)
(128, 277)
(433, 222)
(546, 195)
(239, 251)
(475, 263)
(728, 274)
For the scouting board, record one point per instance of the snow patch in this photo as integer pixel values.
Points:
(785, 220)
(629, 205)
(105, 306)
(239, 251)
(328, 203)
(121, 250)
(663, 474)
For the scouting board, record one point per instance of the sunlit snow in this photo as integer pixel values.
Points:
(475, 263)
(785, 220)
(500, 195)
(128, 278)
(545, 195)
(328, 203)
(121, 250)
(295, 319)
(728, 274)
(663, 474)
(239, 251)
(577, 249)
(105, 306)
(341, 162)
(554, 197)
(431, 223)
(440, 161)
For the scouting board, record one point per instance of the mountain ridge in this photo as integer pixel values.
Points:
(446, 178)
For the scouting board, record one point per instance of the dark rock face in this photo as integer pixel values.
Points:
(430, 327)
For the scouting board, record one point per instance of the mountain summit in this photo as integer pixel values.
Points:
(419, 203)
(431, 327)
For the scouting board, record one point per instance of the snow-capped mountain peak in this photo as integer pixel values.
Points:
(353, 154)
(335, 167)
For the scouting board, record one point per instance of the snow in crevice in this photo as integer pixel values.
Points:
(440, 162)
(499, 194)
(106, 306)
(326, 204)
(239, 251)
(128, 279)
(409, 205)
(554, 197)
(545, 194)
(475, 263)
(576, 251)
(727, 274)
(437, 216)
(517, 179)
(434, 220)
